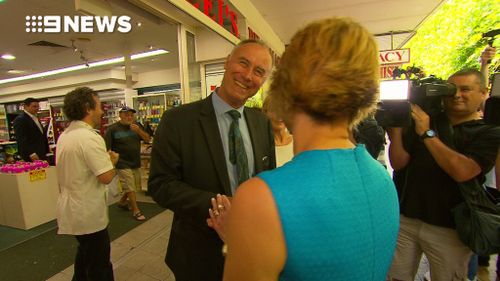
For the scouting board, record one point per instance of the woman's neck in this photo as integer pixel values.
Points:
(311, 135)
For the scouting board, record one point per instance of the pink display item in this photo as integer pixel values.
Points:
(20, 167)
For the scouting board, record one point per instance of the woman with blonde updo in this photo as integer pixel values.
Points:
(332, 212)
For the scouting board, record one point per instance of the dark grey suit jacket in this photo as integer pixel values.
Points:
(188, 168)
(29, 138)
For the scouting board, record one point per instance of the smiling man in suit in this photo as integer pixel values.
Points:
(30, 134)
(210, 147)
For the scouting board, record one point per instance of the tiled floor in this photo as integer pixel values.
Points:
(139, 254)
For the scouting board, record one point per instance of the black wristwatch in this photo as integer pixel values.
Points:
(428, 134)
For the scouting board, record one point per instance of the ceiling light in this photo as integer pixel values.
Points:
(84, 66)
(8, 57)
(149, 54)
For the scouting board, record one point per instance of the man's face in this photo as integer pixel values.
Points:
(127, 117)
(96, 113)
(247, 68)
(32, 108)
(469, 96)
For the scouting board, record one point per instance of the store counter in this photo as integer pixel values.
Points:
(28, 199)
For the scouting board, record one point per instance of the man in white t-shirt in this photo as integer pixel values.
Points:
(83, 168)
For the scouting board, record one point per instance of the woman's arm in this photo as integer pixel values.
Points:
(255, 240)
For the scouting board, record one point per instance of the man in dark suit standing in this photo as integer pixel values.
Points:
(206, 148)
(30, 134)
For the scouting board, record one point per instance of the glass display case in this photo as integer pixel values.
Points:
(150, 107)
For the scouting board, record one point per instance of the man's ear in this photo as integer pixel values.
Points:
(87, 108)
(484, 93)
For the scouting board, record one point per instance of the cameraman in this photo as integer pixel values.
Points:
(426, 175)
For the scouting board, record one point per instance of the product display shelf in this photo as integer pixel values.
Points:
(111, 109)
(150, 107)
(59, 121)
(4, 128)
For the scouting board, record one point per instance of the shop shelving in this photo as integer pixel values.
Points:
(150, 107)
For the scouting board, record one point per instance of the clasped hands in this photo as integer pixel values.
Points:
(221, 205)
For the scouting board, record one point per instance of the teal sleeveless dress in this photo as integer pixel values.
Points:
(340, 215)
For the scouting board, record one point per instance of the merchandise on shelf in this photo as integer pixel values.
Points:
(21, 167)
(110, 116)
(59, 122)
(150, 108)
(4, 128)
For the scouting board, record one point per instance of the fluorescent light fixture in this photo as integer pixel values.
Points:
(84, 66)
(15, 71)
(8, 57)
(148, 54)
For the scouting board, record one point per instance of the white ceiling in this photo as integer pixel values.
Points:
(285, 18)
(379, 16)
(96, 46)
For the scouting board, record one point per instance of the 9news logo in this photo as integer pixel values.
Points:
(78, 24)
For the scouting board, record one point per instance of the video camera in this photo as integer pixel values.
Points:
(396, 96)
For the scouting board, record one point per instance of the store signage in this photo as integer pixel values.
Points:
(394, 56)
(253, 35)
(386, 71)
(78, 24)
(38, 175)
(220, 12)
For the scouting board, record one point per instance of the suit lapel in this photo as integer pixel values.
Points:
(33, 123)
(210, 129)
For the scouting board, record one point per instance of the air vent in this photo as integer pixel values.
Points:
(47, 44)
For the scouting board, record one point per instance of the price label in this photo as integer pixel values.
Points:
(37, 175)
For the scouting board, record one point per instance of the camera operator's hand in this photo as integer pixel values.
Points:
(398, 156)
(421, 119)
(487, 55)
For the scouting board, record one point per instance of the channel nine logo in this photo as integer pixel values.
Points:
(78, 24)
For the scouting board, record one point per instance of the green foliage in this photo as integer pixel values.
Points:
(451, 38)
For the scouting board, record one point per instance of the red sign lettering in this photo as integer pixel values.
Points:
(222, 12)
(234, 24)
(252, 34)
(386, 71)
(394, 56)
(208, 5)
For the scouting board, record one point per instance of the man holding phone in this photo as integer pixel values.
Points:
(124, 137)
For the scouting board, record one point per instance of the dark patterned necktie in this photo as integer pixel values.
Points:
(237, 154)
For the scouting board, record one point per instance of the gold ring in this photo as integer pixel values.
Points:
(220, 206)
